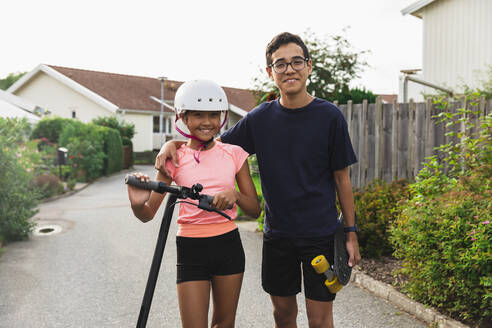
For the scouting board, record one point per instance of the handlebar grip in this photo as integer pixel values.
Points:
(209, 199)
(134, 181)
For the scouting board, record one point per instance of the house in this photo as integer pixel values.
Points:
(457, 43)
(12, 106)
(85, 95)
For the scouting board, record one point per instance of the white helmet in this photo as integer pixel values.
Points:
(199, 95)
(204, 95)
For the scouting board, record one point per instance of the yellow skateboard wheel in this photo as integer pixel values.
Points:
(320, 264)
(334, 286)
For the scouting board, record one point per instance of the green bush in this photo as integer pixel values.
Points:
(357, 95)
(443, 232)
(18, 200)
(113, 149)
(125, 129)
(85, 144)
(50, 128)
(376, 206)
(48, 185)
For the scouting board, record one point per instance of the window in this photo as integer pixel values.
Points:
(156, 124)
(74, 114)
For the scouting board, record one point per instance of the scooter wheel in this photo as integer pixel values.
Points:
(320, 264)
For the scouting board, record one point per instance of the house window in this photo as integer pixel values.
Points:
(74, 115)
(169, 125)
(156, 124)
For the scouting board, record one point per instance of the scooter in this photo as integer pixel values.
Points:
(175, 192)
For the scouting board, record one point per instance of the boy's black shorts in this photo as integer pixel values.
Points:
(281, 267)
(202, 258)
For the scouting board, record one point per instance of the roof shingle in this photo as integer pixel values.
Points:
(133, 92)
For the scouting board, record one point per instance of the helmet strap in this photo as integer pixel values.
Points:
(203, 144)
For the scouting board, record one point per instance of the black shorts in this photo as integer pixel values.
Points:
(283, 259)
(202, 258)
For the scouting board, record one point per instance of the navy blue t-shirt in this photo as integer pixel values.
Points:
(297, 152)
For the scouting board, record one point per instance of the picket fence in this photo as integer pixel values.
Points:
(392, 140)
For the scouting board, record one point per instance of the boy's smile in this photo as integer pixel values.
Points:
(291, 82)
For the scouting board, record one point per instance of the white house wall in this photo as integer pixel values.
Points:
(59, 99)
(457, 42)
(142, 141)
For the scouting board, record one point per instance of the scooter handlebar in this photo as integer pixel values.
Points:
(136, 182)
(205, 201)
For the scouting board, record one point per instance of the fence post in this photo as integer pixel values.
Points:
(349, 125)
(411, 139)
(464, 117)
(394, 141)
(363, 145)
(429, 131)
(349, 116)
(378, 137)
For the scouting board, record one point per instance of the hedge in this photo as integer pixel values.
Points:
(113, 149)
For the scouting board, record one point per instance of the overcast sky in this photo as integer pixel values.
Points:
(220, 40)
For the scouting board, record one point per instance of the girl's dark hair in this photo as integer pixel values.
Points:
(283, 39)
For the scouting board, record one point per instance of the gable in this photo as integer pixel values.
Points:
(125, 92)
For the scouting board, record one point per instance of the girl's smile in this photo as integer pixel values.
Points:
(202, 124)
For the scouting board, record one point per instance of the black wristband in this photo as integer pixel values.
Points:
(350, 229)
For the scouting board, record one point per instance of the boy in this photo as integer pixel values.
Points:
(303, 151)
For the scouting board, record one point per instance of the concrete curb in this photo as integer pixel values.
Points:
(403, 302)
(78, 187)
(82, 185)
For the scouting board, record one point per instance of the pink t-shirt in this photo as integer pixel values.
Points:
(216, 172)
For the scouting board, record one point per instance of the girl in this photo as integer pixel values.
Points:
(210, 255)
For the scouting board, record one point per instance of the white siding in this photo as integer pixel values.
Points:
(59, 99)
(142, 140)
(457, 42)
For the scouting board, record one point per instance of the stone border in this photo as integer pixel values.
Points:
(78, 187)
(403, 302)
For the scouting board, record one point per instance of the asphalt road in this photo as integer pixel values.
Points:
(93, 273)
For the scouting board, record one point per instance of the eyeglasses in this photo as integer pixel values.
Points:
(297, 64)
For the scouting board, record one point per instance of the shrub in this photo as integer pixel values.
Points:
(50, 128)
(376, 206)
(85, 150)
(125, 129)
(48, 185)
(443, 231)
(357, 95)
(13, 131)
(17, 199)
(113, 149)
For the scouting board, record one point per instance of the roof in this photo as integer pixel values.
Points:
(19, 102)
(388, 98)
(11, 110)
(126, 92)
(415, 8)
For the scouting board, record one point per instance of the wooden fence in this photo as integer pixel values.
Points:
(392, 140)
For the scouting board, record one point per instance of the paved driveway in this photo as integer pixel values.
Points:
(93, 273)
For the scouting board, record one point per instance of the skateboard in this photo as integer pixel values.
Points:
(338, 274)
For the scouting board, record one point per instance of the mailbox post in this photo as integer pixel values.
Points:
(62, 158)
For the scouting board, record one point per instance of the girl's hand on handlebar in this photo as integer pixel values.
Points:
(225, 200)
(138, 196)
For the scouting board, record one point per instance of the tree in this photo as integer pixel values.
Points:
(335, 65)
(10, 79)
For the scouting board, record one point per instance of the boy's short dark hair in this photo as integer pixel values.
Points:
(283, 39)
